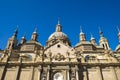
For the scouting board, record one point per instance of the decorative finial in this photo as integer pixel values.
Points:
(23, 39)
(24, 36)
(35, 31)
(58, 21)
(118, 29)
(58, 26)
(81, 32)
(100, 32)
(118, 34)
(80, 28)
(100, 29)
(91, 36)
(16, 31)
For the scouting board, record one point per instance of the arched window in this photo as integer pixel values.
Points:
(86, 58)
(58, 76)
(106, 46)
(9, 45)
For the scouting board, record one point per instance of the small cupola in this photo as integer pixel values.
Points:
(35, 35)
(23, 39)
(82, 35)
(93, 40)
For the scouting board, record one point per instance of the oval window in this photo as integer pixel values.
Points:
(58, 76)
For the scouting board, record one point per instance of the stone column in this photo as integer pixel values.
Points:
(32, 73)
(77, 73)
(68, 74)
(85, 73)
(48, 73)
(114, 73)
(39, 72)
(99, 73)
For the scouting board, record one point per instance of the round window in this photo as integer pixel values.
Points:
(58, 76)
(58, 46)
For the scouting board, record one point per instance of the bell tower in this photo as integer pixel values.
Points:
(103, 41)
(12, 42)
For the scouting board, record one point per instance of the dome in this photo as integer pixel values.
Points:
(59, 35)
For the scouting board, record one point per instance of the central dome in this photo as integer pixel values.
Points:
(58, 35)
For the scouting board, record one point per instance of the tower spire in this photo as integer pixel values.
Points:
(91, 36)
(58, 27)
(35, 35)
(23, 39)
(100, 32)
(24, 36)
(118, 33)
(118, 29)
(92, 40)
(12, 42)
(82, 35)
(58, 21)
(103, 41)
(81, 32)
(16, 31)
(118, 47)
(35, 31)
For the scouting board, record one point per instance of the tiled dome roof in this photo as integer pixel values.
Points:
(59, 35)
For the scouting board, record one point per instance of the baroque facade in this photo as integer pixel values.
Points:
(29, 60)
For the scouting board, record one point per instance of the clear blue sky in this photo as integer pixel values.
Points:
(44, 14)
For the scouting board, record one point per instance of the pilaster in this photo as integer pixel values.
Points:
(2, 74)
(17, 73)
(77, 73)
(114, 73)
(31, 73)
(39, 73)
(99, 73)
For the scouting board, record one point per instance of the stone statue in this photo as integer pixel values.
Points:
(49, 54)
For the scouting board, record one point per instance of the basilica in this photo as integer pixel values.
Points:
(58, 60)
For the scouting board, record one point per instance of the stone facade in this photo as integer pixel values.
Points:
(29, 60)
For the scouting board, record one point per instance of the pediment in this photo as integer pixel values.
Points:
(60, 48)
